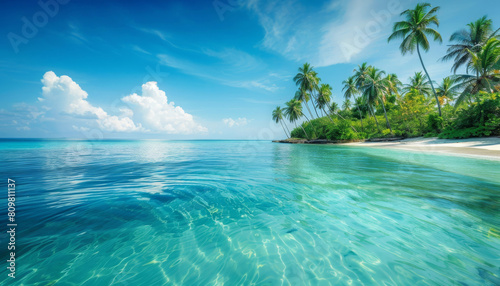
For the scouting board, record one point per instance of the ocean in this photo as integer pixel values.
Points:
(246, 213)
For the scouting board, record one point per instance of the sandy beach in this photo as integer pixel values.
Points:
(485, 148)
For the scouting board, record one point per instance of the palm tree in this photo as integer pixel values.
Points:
(486, 64)
(324, 98)
(303, 96)
(393, 83)
(350, 90)
(394, 87)
(414, 32)
(347, 104)
(448, 89)
(278, 117)
(307, 80)
(473, 39)
(359, 74)
(293, 112)
(418, 83)
(334, 107)
(375, 88)
(360, 106)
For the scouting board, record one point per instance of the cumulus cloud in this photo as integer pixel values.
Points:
(150, 112)
(62, 94)
(154, 111)
(238, 122)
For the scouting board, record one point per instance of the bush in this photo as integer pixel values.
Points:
(434, 123)
(386, 133)
(482, 118)
(342, 131)
(398, 133)
(478, 120)
(298, 133)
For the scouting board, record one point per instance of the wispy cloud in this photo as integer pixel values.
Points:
(163, 36)
(140, 50)
(233, 60)
(337, 32)
(268, 102)
(76, 34)
(226, 67)
(241, 121)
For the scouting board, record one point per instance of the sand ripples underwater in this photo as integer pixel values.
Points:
(249, 213)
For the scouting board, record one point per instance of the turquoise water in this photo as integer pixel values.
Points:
(249, 213)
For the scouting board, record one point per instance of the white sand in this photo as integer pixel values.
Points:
(486, 148)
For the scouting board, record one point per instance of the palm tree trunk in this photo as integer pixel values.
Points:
(352, 127)
(406, 126)
(323, 110)
(288, 130)
(314, 129)
(430, 81)
(373, 114)
(385, 113)
(284, 129)
(361, 117)
(315, 98)
(336, 113)
(315, 110)
(400, 102)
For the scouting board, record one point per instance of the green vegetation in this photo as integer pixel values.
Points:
(378, 105)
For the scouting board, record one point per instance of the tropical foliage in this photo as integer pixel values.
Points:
(376, 103)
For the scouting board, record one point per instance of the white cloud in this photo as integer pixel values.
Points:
(154, 111)
(24, 128)
(62, 94)
(238, 122)
(150, 112)
(335, 33)
(81, 129)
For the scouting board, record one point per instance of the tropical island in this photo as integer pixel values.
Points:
(379, 106)
(136, 143)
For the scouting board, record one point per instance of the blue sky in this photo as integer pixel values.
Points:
(191, 69)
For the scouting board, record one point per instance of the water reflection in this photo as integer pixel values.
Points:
(197, 213)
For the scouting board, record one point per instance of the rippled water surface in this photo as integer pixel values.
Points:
(249, 213)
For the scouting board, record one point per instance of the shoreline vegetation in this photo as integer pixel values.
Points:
(378, 106)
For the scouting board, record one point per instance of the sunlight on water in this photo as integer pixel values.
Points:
(235, 212)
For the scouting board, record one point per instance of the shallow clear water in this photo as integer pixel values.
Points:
(243, 213)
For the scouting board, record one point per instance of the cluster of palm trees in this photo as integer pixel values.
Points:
(477, 49)
(309, 90)
(370, 86)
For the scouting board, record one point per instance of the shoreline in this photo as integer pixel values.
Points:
(482, 148)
